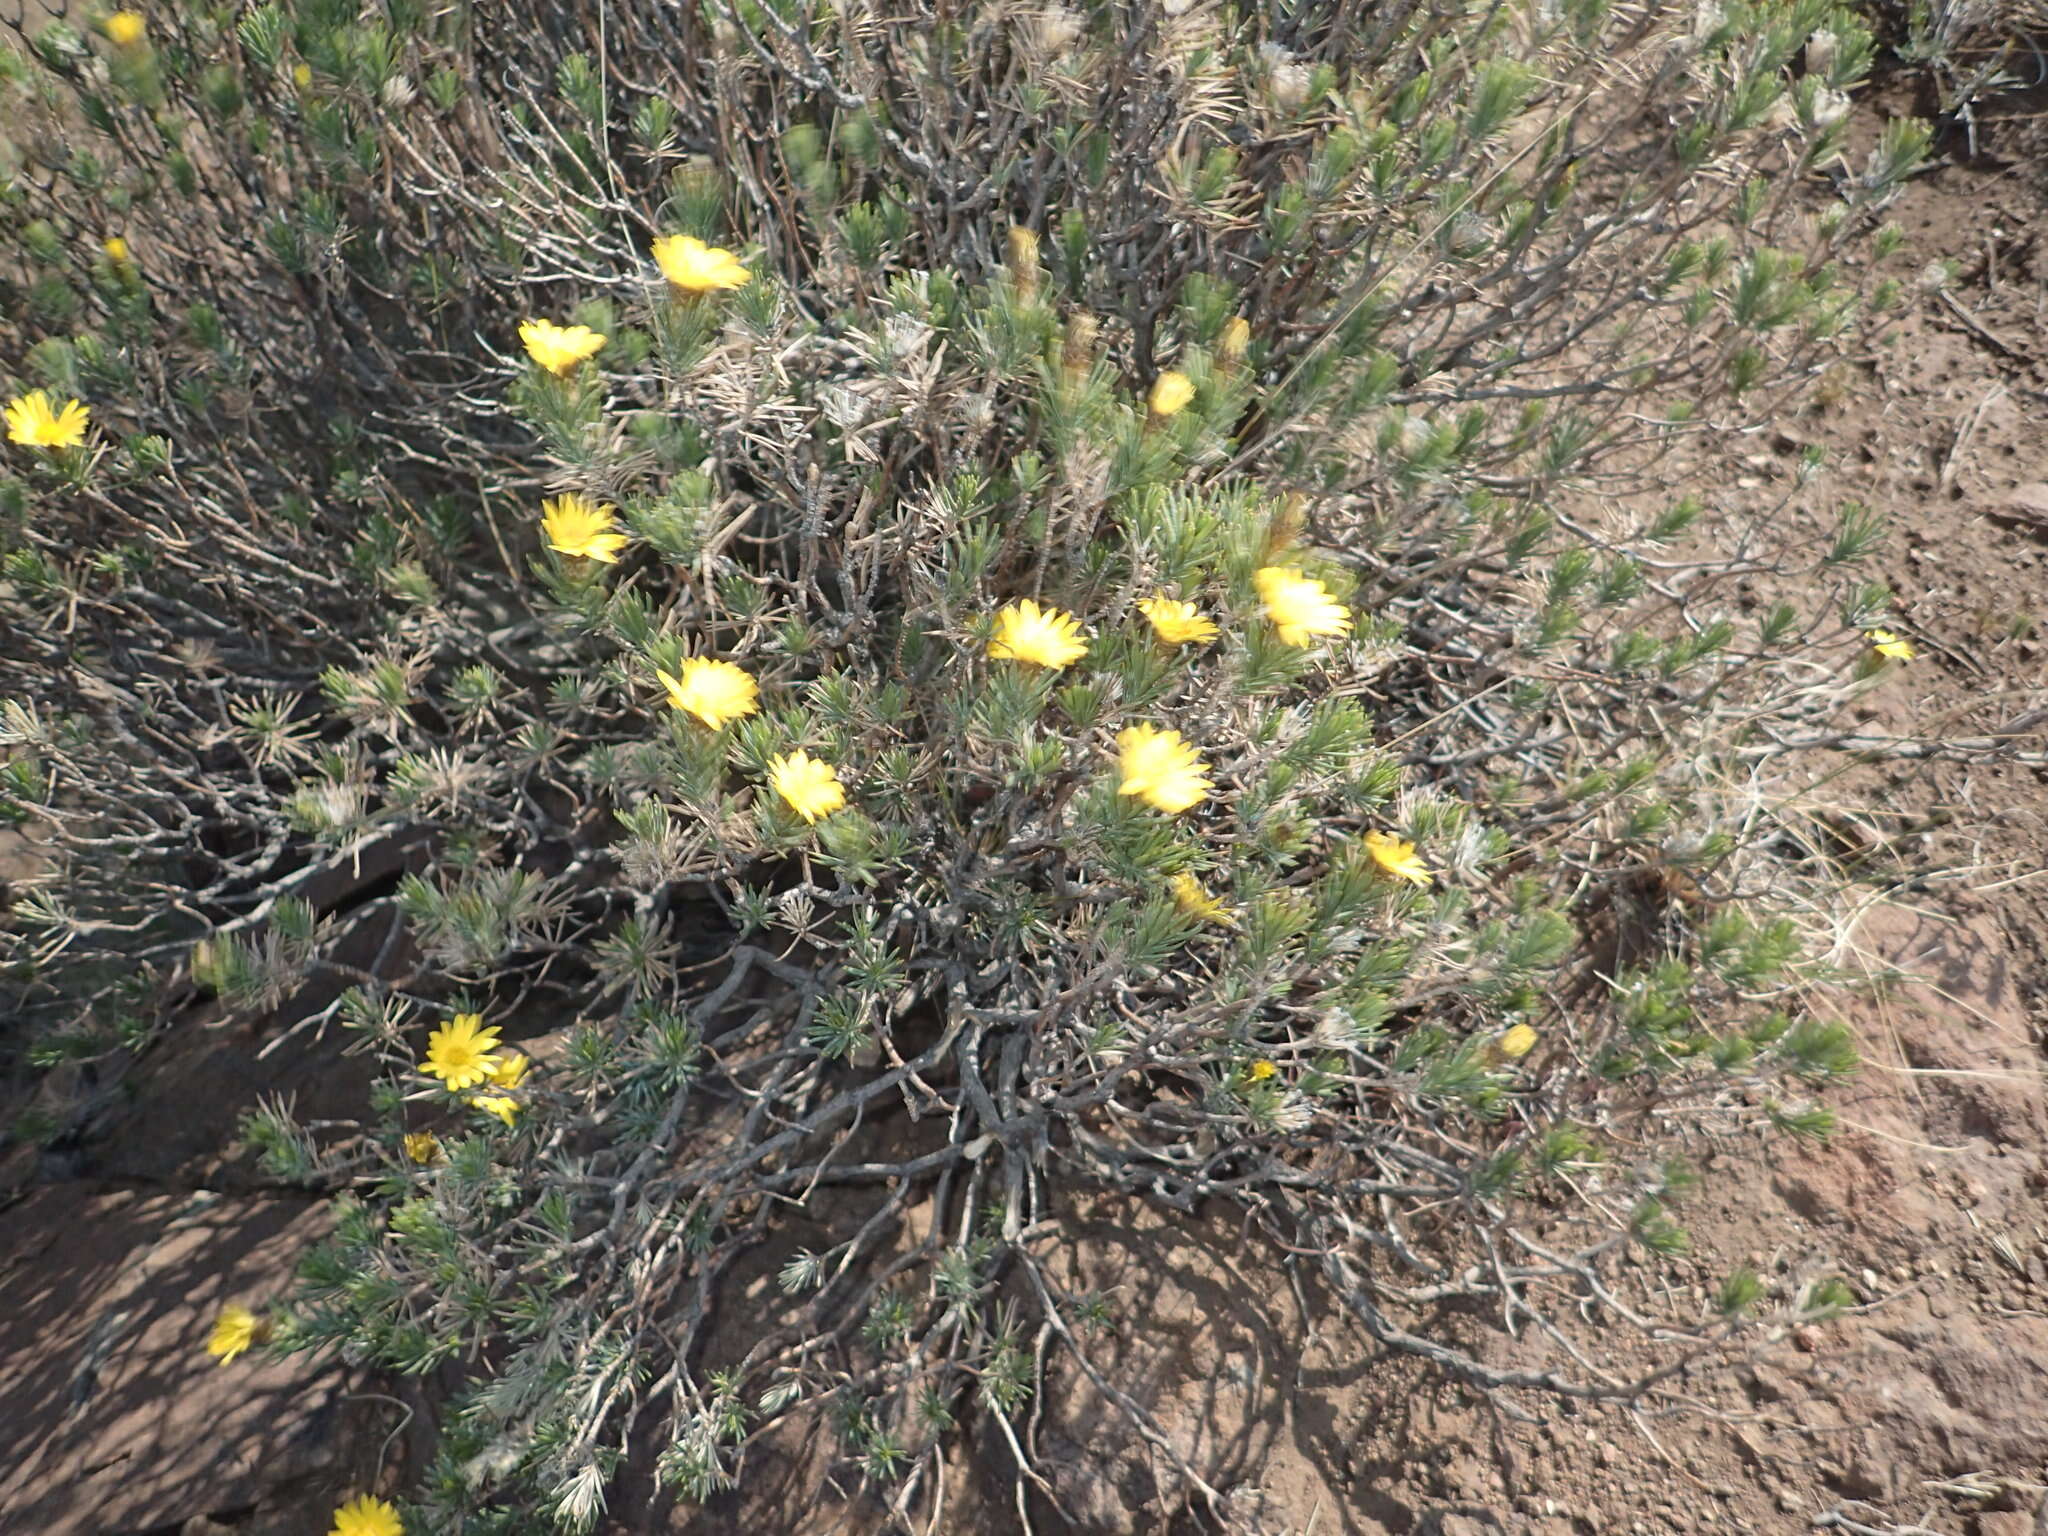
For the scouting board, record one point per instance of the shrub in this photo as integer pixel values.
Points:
(1423, 902)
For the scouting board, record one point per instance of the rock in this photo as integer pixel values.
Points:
(1868, 1475)
(1771, 1386)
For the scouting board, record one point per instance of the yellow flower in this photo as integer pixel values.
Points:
(127, 28)
(116, 249)
(1300, 607)
(302, 75)
(1235, 338)
(1161, 769)
(1171, 392)
(1890, 646)
(1176, 622)
(713, 691)
(578, 526)
(233, 1332)
(35, 420)
(504, 1107)
(511, 1070)
(423, 1146)
(1046, 636)
(559, 348)
(1518, 1042)
(808, 785)
(695, 267)
(365, 1516)
(1193, 898)
(1260, 1070)
(1397, 857)
(507, 1071)
(459, 1052)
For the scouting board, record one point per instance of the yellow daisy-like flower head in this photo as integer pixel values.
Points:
(559, 348)
(459, 1052)
(1261, 1070)
(116, 249)
(1300, 607)
(1397, 857)
(1890, 646)
(714, 691)
(302, 75)
(126, 28)
(1193, 898)
(511, 1069)
(35, 421)
(1518, 1042)
(578, 526)
(1176, 622)
(423, 1146)
(233, 1332)
(366, 1516)
(1045, 637)
(1235, 339)
(1161, 769)
(1171, 392)
(808, 785)
(505, 1107)
(695, 267)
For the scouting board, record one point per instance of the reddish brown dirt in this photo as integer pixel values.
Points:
(1925, 1407)
(117, 1419)
(1924, 1411)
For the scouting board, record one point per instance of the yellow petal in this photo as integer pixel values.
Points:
(1161, 769)
(1300, 607)
(695, 267)
(559, 348)
(714, 691)
(1045, 637)
(808, 785)
(1193, 898)
(1397, 857)
(1177, 623)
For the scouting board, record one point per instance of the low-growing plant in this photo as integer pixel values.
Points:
(1061, 599)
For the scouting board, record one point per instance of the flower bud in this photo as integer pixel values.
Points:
(1232, 341)
(1077, 350)
(1171, 393)
(1023, 260)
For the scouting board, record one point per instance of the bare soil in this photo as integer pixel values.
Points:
(1925, 1410)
